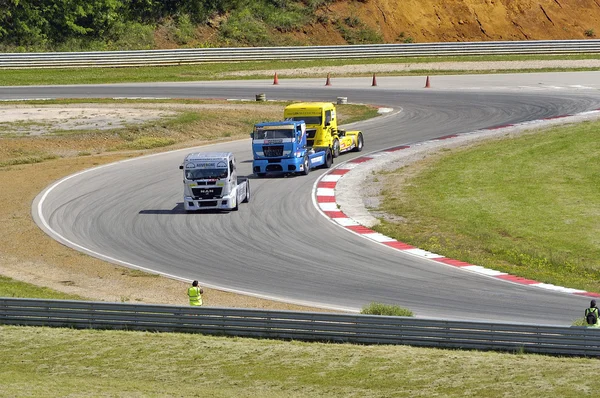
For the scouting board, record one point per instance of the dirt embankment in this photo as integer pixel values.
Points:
(422, 21)
(477, 20)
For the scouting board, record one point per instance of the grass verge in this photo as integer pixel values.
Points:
(12, 288)
(385, 309)
(41, 362)
(527, 205)
(219, 71)
(194, 122)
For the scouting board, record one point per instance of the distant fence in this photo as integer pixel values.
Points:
(201, 55)
(306, 326)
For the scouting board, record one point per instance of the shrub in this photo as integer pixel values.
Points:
(314, 4)
(404, 39)
(130, 36)
(385, 309)
(243, 28)
(179, 29)
(355, 32)
(287, 21)
(148, 143)
(589, 33)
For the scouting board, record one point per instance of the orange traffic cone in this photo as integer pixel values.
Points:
(275, 79)
(328, 82)
(427, 85)
(374, 80)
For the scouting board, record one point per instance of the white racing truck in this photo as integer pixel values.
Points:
(210, 181)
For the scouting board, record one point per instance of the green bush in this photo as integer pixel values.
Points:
(243, 28)
(385, 309)
(180, 29)
(29, 160)
(314, 4)
(355, 32)
(353, 22)
(148, 143)
(130, 36)
(293, 17)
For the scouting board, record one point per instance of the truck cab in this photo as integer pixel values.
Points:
(210, 181)
(281, 147)
(322, 128)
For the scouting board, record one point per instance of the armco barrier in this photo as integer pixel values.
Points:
(201, 55)
(306, 326)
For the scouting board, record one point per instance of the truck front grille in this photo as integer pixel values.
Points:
(207, 193)
(273, 150)
(274, 167)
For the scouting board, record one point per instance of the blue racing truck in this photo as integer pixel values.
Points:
(281, 148)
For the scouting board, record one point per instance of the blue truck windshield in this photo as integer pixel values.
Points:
(200, 174)
(271, 134)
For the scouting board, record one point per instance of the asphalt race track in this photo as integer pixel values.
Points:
(279, 245)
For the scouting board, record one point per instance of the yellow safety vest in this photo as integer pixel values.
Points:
(195, 296)
(593, 309)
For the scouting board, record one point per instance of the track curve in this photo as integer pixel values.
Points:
(279, 246)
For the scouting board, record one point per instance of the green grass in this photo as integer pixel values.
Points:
(215, 71)
(12, 288)
(356, 113)
(141, 143)
(41, 362)
(28, 160)
(385, 309)
(528, 206)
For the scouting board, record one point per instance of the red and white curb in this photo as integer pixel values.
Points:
(324, 197)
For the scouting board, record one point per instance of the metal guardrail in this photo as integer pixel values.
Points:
(202, 55)
(306, 326)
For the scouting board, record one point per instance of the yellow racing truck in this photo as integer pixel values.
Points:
(322, 128)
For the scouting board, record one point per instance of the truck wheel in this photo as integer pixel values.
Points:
(360, 143)
(328, 158)
(247, 198)
(261, 175)
(306, 164)
(336, 148)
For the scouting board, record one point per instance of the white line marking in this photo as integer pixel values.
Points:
(325, 192)
(377, 237)
(328, 207)
(482, 270)
(331, 178)
(422, 253)
(345, 222)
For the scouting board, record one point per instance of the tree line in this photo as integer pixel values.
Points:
(47, 23)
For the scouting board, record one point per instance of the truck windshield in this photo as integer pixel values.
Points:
(200, 174)
(309, 119)
(271, 134)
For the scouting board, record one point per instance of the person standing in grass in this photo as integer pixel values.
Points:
(195, 294)
(591, 315)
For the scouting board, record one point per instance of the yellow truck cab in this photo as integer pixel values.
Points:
(322, 128)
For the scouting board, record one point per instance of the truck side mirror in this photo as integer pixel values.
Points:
(180, 167)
